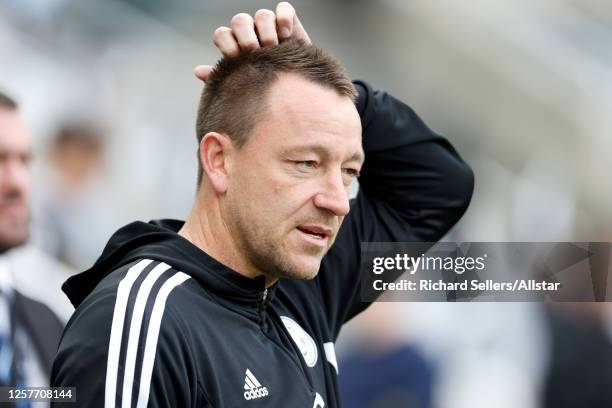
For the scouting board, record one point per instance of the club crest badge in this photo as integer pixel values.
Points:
(303, 340)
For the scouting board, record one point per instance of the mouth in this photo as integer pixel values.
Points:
(12, 208)
(315, 234)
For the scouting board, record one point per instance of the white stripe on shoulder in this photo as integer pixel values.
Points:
(152, 335)
(114, 344)
(134, 336)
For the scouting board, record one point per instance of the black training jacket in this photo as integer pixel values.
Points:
(160, 323)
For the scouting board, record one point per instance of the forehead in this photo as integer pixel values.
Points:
(301, 112)
(14, 136)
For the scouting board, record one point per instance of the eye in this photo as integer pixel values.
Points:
(353, 173)
(307, 164)
(348, 175)
(26, 158)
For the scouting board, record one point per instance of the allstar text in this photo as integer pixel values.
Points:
(518, 285)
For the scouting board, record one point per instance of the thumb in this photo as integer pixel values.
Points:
(202, 72)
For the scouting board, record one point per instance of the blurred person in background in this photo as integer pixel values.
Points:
(404, 378)
(223, 310)
(74, 196)
(29, 330)
(580, 369)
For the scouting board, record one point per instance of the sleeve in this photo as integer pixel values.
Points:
(92, 357)
(414, 186)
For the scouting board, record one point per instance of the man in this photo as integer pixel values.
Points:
(240, 305)
(29, 330)
(74, 195)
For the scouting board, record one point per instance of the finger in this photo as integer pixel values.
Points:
(226, 43)
(202, 72)
(284, 19)
(265, 22)
(299, 32)
(244, 31)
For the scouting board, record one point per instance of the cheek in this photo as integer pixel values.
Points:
(291, 201)
(23, 176)
(255, 204)
(28, 182)
(272, 195)
(301, 194)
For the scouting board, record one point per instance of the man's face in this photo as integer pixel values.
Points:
(15, 179)
(289, 184)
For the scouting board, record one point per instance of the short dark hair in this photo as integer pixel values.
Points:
(7, 102)
(233, 99)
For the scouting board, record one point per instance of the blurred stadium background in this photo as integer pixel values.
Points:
(523, 89)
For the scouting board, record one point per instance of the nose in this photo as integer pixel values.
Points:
(15, 177)
(333, 196)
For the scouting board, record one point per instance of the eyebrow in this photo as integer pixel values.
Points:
(5, 152)
(323, 151)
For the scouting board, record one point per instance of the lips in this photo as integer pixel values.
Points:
(316, 231)
(13, 208)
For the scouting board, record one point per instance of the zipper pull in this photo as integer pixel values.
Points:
(264, 296)
(261, 308)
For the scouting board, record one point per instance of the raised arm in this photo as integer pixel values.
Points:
(413, 187)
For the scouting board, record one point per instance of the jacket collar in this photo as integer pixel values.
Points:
(159, 240)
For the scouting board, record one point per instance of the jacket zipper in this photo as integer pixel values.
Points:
(264, 296)
(262, 308)
(296, 352)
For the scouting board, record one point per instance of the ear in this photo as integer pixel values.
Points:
(215, 155)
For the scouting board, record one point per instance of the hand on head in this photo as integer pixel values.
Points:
(248, 33)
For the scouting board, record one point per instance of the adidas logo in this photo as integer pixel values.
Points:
(253, 388)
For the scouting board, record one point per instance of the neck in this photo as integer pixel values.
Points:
(206, 228)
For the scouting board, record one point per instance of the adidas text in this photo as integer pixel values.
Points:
(256, 393)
